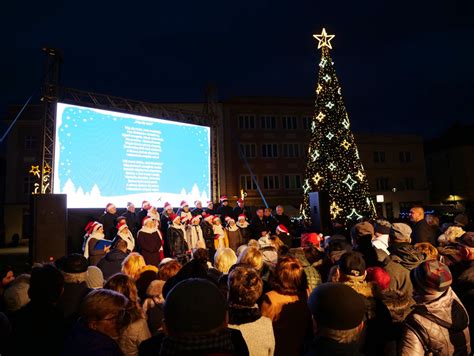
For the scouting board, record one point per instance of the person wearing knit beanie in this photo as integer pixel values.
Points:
(95, 278)
(431, 277)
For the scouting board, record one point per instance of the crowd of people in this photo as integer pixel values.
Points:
(223, 282)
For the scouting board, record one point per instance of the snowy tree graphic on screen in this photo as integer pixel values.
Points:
(333, 162)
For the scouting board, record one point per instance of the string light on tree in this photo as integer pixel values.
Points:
(315, 155)
(337, 169)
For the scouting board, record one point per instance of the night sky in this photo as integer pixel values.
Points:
(404, 66)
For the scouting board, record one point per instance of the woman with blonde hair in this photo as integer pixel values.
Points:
(428, 249)
(224, 259)
(251, 256)
(137, 331)
(133, 265)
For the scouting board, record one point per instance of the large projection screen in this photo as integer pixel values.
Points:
(106, 157)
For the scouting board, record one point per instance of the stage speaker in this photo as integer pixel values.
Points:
(320, 217)
(49, 226)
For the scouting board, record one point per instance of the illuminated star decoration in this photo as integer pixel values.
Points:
(345, 144)
(315, 155)
(330, 105)
(349, 181)
(319, 88)
(47, 169)
(35, 171)
(306, 187)
(354, 215)
(360, 175)
(345, 123)
(332, 166)
(334, 209)
(324, 40)
(327, 78)
(317, 178)
(320, 116)
(329, 136)
(323, 62)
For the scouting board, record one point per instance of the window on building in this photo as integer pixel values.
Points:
(31, 142)
(289, 122)
(247, 183)
(268, 122)
(405, 157)
(246, 122)
(379, 157)
(306, 122)
(292, 181)
(249, 150)
(269, 150)
(271, 182)
(28, 184)
(291, 150)
(409, 183)
(381, 184)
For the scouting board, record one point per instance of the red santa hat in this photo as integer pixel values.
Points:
(196, 218)
(167, 206)
(223, 198)
(282, 228)
(107, 207)
(209, 217)
(93, 226)
(183, 204)
(240, 201)
(146, 219)
(196, 202)
(242, 216)
(215, 218)
(121, 225)
(228, 219)
(146, 205)
(174, 217)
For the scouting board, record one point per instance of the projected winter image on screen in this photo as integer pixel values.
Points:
(104, 156)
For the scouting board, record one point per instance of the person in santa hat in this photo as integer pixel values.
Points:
(165, 222)
(241, 209)
(132, 219)
(220, 235)
(176, 237)
(233, 234)
(109, 220)
(150, 242)
(125, 234)
(146, 206)
(197, 208)
(210, 208)
(208, 234)
(284, 235)
(243, 225)
(225, 209)
(194, 236)
(94, 235)
(184, 210)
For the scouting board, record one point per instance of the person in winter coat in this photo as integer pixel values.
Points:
(282, 218)
(103, 314)
(124, 233)
(150, 242)
(381, 232)
(422, 231)
(132, 219)
(137, 331)
(153, 306)
(438, 323)
(197, 210)
(401, 249)
(243, 225)
(241, 209)
(244, 289)
(284, 235)
(209, 209)
(184, 211)
(271, 222)
(109, 219)
(258, 225)
(94, 236)
(194, 235)
(362, 235)
(208, 234)
(176, 237)
(221, 239)
(225, 209)
(146, 206)
(233, 234)
(111, 263)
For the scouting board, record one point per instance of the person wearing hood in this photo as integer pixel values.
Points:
(400, 247)
(381, 231)
(95, 245)
(124, 233)
(233, 233)
(111, 263)
(150, 242)
(243, 225)
(108, 220)
(438, 323)
(176, 237)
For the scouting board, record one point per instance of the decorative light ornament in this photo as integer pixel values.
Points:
(313, 126)
(35, 171)
(324, 40)
(323, 62)
(319, 88)
(360, 175)
(332, 166)
(369, 202)
(329, 136)
(315, 155)
(306, 187)
(349, 181)
(345, 123)
(345, 144)
(357, 153)
(320, 116)
(317, 177)
(47, 169)
(339, 90)
(330, 105)
(334, 210)
(354, 215)
(327, 78)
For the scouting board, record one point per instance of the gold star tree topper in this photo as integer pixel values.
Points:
(324, 39)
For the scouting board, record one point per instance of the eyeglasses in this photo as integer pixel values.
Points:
(121, 317)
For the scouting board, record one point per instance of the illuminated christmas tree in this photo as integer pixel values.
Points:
(333, 159)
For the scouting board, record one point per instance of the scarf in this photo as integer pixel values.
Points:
(128, 238)
(232, 227)
(219, 342)
(243, 315)
(148, 230)
(95, 235)
(195, 237)
(242, 226)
